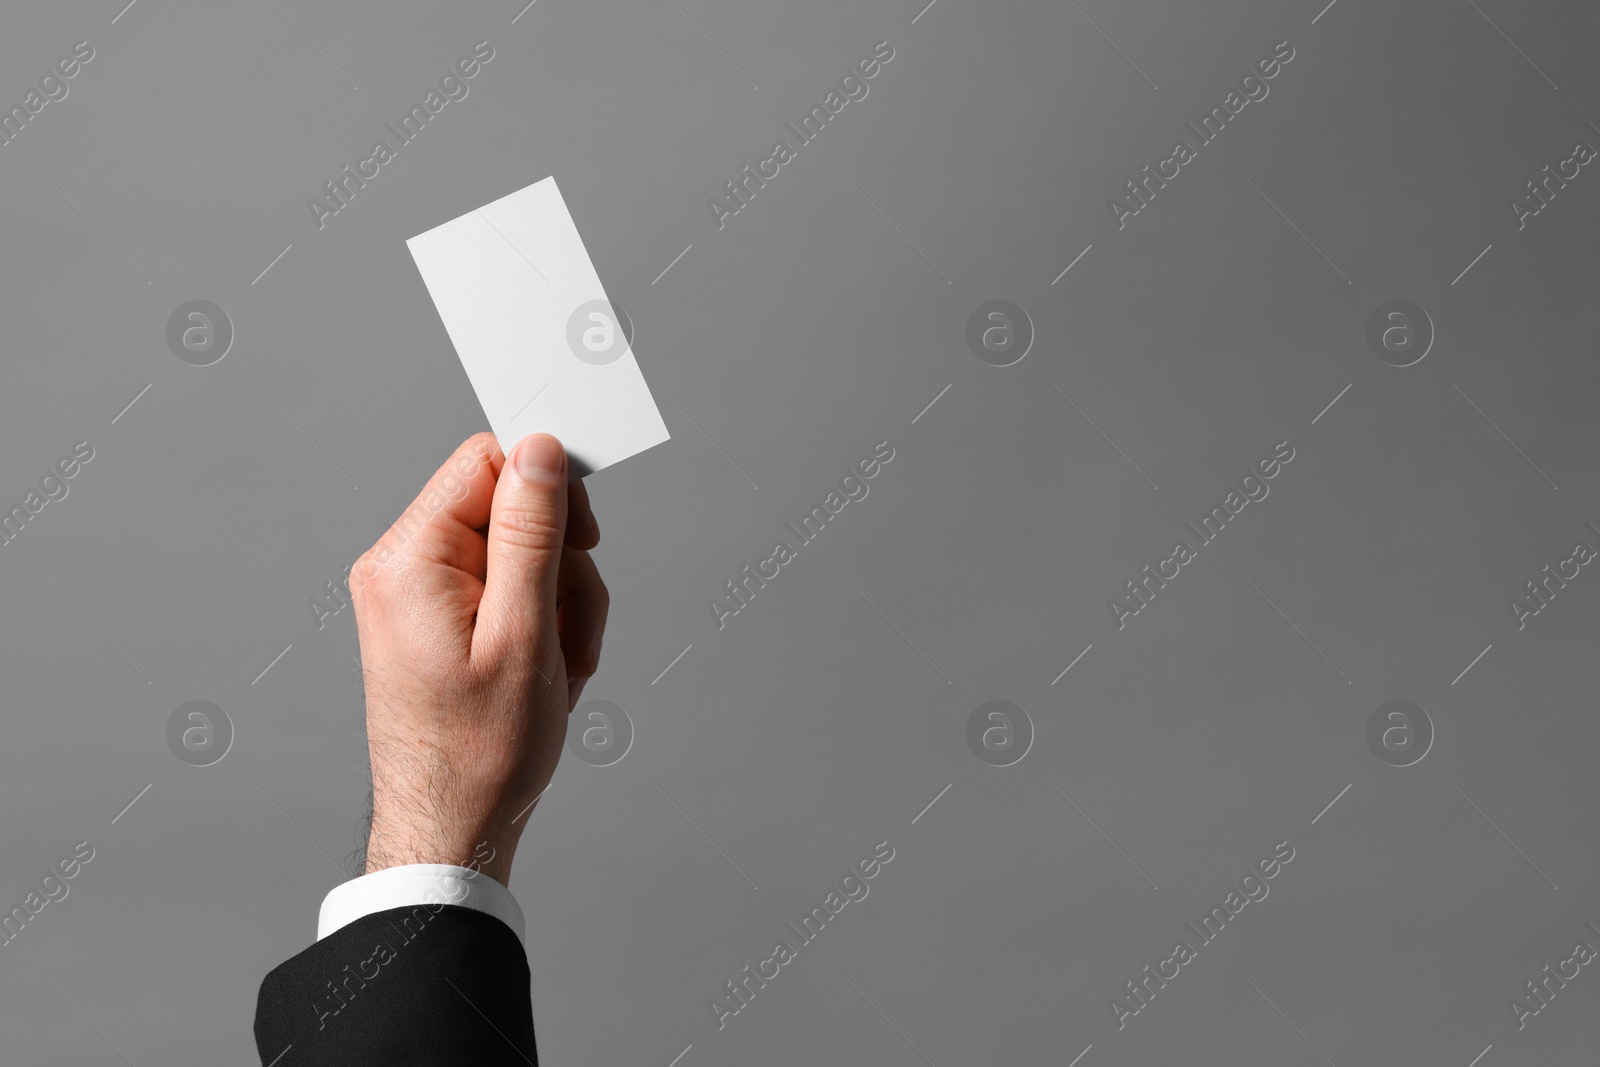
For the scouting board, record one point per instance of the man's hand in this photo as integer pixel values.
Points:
(480, 615)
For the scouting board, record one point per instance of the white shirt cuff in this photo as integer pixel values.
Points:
(415, 884)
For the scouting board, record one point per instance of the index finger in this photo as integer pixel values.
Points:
(455, 502)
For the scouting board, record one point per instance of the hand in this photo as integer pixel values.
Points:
(480, 615)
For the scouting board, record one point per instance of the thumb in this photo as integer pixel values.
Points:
(527, 527)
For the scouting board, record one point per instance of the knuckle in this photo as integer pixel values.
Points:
(364, 574)
(584, 662)
(532, 529)
(379, 576)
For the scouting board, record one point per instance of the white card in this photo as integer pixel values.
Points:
(542, 345)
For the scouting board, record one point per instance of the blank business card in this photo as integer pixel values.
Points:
(544, 348)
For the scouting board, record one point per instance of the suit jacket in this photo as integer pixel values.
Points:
(430, 984)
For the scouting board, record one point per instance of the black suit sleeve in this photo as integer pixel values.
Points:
(433, 984)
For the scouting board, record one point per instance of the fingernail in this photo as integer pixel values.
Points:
(540, 458)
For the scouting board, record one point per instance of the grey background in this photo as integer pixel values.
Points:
(805, 331)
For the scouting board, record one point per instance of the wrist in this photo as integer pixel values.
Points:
(395, 842)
